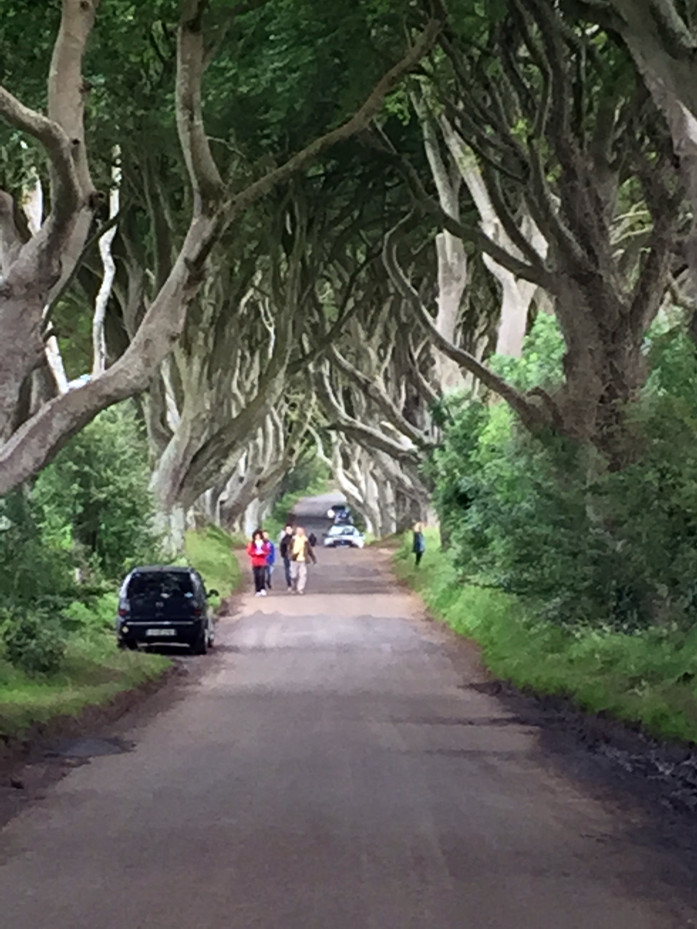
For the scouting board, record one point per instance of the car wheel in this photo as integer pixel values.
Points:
(126, 645)
(200, 645)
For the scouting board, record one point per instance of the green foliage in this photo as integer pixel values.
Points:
(65, 541)
(210, 551)
(541, 364)
(94, 497)
(34, 570)
(91, 615)
(33, 641)
(92, 673)
(546, 519)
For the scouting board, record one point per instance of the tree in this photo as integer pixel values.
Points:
(29, 268)
(562, 133)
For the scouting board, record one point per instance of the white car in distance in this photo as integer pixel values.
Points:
(344, 537)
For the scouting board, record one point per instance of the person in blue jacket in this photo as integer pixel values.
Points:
(270, 559)
(419, 543)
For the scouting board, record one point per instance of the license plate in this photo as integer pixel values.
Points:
(160, 631)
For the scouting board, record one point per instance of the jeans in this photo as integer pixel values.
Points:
(286, 568)
(418, 556)
(259, 577)
(298, 575)
(267, 578)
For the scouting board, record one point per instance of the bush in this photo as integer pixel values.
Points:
(542, 518)
(93, 614)
(34, 642)
(33, 569)
(94, 497)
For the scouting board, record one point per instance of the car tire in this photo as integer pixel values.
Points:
(200, 645)
(127, 646)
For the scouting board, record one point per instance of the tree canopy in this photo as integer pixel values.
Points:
(321, 222)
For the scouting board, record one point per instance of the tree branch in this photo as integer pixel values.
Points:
(358, 122)
(67, 193)
(203, 171)
(531, 415)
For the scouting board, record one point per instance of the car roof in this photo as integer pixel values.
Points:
(162, 568)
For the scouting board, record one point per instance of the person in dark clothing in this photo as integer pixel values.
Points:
(258, 551)
(419, 544)
(285, 547)
(312, 539)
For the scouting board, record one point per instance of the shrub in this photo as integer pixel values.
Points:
(33, 567)
(541, 517)
(34, 641)
(97, 487)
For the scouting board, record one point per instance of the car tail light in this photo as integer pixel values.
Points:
(123, 611)
(197, 611)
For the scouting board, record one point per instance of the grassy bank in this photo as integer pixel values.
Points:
(210, 551)
(94, 671)
(646, 678)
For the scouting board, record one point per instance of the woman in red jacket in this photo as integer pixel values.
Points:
(258, 551)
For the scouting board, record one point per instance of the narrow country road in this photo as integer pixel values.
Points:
(331, 767)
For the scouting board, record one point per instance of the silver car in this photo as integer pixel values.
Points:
(344, 536)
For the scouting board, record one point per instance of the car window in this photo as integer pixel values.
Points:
(343, 530)
(160, 585)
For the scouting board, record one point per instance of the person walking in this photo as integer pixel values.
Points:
(284, 550)
(270, 559)
(300, 554)
(419, 544)
(258, 551)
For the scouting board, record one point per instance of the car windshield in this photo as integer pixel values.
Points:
(341, 530)
(160, 585)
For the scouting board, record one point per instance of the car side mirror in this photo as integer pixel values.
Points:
(212, 593)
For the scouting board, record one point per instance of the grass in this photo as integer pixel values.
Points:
(211, 552)
(93, 673)
(647, 678)
(94, 670)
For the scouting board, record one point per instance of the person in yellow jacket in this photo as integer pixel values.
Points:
(300, 554)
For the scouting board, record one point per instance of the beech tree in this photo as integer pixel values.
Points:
(563, 135)
(661, 36)
(30, 269)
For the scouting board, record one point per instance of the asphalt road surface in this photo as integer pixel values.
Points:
(333, 766)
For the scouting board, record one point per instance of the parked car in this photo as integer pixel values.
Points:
(340, 514)
(161, 604)
(347, 536)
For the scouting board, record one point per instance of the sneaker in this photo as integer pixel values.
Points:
(262, 593)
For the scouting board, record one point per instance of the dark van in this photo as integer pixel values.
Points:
(160, 604)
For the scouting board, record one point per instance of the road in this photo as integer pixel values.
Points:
(333, 766)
